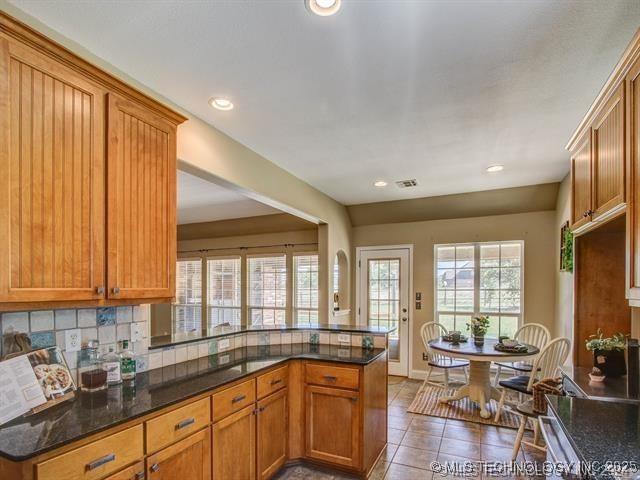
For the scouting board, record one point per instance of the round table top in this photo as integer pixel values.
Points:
(485, 353)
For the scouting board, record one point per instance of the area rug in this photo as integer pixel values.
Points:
(426, 403)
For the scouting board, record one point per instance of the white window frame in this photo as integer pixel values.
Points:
(287, 291)
(476, 287)
(208, 306)
(294, 288)
(175, 304)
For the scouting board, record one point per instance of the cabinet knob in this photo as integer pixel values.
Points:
(100, 290)
(585, 214)
(115, 290)
(155, 467)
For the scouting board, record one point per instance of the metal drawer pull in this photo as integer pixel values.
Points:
(140, 476)
(185, 423)
(276, 381)
(330, 378)
(155, 467)
(239, 398)
(101, 461)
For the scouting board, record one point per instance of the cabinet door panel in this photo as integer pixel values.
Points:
(51, 182)
(633, 172)
(333, 425)
(134, 472)
(581, 182)
(234, 446)
(141, 193)
(608, 156)
(188, 459)
(272, 437)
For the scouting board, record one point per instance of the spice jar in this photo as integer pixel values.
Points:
(91, 373)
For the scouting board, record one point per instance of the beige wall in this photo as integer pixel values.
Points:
(564, 280)
(218, 157)
(538, 230)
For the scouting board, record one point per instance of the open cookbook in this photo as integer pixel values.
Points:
(33, 382)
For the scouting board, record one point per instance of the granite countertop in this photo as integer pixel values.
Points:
(609, 389)
(600, 431)
(89, 413)
(227, 330)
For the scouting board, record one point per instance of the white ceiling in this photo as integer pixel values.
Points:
(385, 89)
(203, 201)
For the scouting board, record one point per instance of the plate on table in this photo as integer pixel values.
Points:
(447, 338)
(519, 348)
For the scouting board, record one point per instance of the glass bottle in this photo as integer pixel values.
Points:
(91, 373)
(111, 363)
(127, 362)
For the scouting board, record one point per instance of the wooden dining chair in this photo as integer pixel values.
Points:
(532, 334)
(547, 364)
(432, 331)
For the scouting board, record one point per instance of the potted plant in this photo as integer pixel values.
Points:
(478, 327)
(596, 375)
(608, 353)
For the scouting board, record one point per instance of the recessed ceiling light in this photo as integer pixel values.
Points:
(495, 168)
(324, 8)
(221, 103)
(380, 183)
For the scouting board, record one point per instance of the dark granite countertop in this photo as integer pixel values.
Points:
(609, 389)
(90, 413)
(228, 330)
(600, 431)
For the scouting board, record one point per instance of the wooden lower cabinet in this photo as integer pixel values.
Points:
(272, 434)
(188, 459)
(234, 446)
(333, 425)
(134, 472)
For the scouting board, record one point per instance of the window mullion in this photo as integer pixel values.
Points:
(476, 278)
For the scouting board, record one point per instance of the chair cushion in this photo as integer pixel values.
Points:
(519, 383)
(518, 366)
(449, 363)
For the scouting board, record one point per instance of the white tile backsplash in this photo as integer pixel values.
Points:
(15, 322)
(42, 321)
(123, 332)
(181, 354)
(124, 314)
(87, 317)
(107, 334)
(155, 360)
(192, 351)
(65, 319)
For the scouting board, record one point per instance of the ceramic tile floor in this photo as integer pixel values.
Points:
(415, 441)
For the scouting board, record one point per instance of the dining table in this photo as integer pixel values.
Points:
(478, 387)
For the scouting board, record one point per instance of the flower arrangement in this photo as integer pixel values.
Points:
(596, 342)
(478, 325)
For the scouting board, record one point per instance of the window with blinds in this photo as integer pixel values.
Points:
(305, 284)
(484, 278)
(267, 299)
(187, 309)
(223, 291)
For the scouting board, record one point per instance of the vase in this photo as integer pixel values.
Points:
(610, 362)
(478, 340)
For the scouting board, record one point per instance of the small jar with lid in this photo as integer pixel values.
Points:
(92, 375)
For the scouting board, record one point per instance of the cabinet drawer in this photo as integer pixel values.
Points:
(134, 472)
(272, 381)
(95, 460)
(332, 376)
(233, 399)
(177, 424)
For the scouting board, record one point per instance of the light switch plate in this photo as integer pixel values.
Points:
(136, 332)
(223, 344)
(72, 340)
(344, 338)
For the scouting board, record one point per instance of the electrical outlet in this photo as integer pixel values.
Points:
(223, 344)
(344, 338)
(418, 305)
(72, 340)
(424, 356)
(136, 332)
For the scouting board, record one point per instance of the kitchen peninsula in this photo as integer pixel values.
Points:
(275, 404)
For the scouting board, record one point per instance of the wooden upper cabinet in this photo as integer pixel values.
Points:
(51, 179)
(608, 156)
(633, 182)
(581, 182)
(141, 202)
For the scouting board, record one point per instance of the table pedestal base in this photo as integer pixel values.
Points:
(479, 388)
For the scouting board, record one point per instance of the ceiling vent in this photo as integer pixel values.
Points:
(407, 183)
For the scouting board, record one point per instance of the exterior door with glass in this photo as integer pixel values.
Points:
(384, 290)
